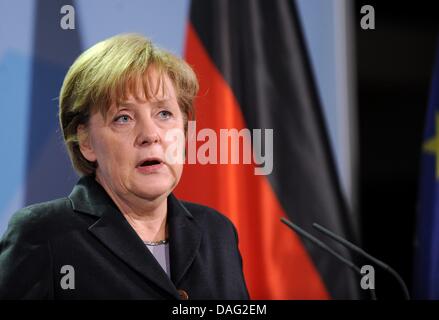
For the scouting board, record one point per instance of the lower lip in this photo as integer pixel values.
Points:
(150, 169)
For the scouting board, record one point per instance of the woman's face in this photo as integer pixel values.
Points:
(129, 144)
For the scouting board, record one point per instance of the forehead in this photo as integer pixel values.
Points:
(152, 87)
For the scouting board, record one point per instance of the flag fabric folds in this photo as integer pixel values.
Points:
(426, 277)
(254, 73)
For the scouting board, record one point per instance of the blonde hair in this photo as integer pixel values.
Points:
(106, 73)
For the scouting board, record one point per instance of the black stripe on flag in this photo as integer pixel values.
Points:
(259, 49)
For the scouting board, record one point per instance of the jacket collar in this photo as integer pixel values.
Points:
(113, 230)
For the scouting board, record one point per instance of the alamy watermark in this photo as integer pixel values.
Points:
(235, 147)
(67, 21)
(67, 281)
(367, 21)
(368, 279)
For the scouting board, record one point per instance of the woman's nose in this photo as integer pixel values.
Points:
(147, 132)
(149, 139)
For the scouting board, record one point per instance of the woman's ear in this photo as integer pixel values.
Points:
(84, 143)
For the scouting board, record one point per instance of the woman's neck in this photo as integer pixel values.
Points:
(147, 218)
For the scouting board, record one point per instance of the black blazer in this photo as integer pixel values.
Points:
(88, 232)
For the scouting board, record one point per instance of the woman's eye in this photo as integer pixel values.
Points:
(164, 114)
(122, 118)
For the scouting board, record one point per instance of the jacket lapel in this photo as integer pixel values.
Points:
(114, 232)
(184, 238)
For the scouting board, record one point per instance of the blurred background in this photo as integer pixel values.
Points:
(372, 89)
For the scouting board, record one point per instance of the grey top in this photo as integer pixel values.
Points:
(161, 254)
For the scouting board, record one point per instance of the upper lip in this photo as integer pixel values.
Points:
(149, 159)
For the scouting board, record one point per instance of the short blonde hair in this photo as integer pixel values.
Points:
(106, 73)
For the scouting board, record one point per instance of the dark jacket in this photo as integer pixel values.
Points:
(88, 232)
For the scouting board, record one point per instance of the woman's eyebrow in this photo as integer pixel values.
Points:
(157, 102)
(161, 101)
(127, 104)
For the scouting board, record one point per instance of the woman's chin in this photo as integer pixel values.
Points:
(153, 189)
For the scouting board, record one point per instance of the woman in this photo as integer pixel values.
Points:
(121, 233)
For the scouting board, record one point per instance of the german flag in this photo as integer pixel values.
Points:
(254, 73)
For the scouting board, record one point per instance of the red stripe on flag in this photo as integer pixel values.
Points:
(276, 264)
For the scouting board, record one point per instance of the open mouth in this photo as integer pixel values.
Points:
(149, 163)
